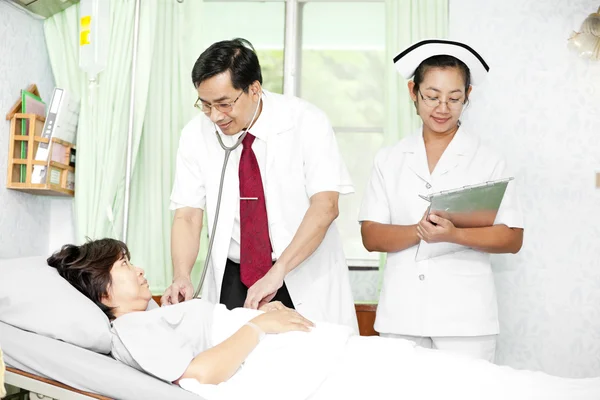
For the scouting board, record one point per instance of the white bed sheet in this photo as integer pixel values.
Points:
(329, 364)
(82, 369)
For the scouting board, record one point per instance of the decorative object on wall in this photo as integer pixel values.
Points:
(60, 181)
(27, 170)
(586, 42)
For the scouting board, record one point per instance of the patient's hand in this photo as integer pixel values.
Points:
(273, 306)
(282, 320)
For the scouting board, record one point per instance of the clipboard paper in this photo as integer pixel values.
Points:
(473, 206)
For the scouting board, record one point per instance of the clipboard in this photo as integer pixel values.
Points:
(472, 206)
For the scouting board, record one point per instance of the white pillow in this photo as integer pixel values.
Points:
(34, 297)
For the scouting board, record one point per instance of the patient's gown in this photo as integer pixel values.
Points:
(163, 341)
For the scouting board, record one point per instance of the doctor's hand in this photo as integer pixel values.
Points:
(284, 320)
(272, 306)
(180, 290)
(443, 230)
(265, 288)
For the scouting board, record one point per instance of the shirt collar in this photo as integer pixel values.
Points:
(262, 127)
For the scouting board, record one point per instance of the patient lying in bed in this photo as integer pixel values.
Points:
(275, 353)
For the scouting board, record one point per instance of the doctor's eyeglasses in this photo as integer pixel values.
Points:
(433, 102)
(221, 107)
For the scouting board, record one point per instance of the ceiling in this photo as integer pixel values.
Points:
(45, 8)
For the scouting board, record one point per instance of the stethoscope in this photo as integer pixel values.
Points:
(228, 151)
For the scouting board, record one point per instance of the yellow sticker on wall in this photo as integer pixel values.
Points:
(84, 37)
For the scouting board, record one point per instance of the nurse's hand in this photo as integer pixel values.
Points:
(284, 320)
(180, 290)
(265, 288)
(443, 230)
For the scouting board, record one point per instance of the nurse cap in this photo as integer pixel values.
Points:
(410, 58)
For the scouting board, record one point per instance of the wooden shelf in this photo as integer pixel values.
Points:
(29, 116)
(61, 166)
(59, 175)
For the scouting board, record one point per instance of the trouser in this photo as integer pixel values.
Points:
(233, 291)
(482, 347)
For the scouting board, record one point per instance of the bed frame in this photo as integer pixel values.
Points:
(46, 387)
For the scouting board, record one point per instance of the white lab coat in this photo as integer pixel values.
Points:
(449, 295)
(302, 159)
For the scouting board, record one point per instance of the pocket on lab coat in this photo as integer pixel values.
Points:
(466, 301)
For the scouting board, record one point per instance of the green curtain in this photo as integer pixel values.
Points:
(407, 21)
(168, 45)
(170, 106)
(104, 113)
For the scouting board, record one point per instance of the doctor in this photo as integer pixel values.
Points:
(275, 238)
(446, 302)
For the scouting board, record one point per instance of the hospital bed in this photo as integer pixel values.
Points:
(60, 370)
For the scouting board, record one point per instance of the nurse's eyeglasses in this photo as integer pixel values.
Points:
(221, 107)
(433, 102)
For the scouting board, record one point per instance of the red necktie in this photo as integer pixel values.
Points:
(255, 246)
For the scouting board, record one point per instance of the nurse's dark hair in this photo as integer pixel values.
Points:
(236, 56)
(441, 61)
(87, 267)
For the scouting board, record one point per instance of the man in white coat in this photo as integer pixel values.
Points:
(275, 238)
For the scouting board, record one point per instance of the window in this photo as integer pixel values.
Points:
(261, 23)
(335, 61)
(342, 72)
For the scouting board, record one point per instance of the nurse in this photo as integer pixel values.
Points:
(275, 238)
(446, 302)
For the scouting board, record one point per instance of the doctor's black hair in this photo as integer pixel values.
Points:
(236, 56)
(87, 267)
(441, 61)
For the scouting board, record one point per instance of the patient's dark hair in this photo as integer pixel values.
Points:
(236, 56)
(87, 267)
(441, 61)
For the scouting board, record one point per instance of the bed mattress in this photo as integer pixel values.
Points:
(82, 369)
